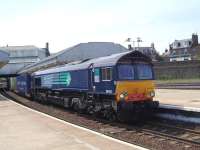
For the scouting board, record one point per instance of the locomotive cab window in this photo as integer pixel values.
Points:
(126, 72)
(144, 71)
(106, 74)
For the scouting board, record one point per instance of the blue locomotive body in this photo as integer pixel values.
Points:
(78, 77)
(71, 80)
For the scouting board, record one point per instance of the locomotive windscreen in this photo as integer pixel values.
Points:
(144, 71)
(126, 72)
(135, 72)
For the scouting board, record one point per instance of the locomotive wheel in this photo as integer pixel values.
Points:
(78, 105)
(110, 115)
(120, 118)
(46, 99)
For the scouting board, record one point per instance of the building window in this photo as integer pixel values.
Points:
(185, 51)
(190, 43)
(106, 74)
(179, 44)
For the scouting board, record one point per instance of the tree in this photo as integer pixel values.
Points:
(158, 57)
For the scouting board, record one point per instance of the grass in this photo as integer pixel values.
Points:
(177, 81)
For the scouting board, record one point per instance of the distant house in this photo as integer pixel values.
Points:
(183, 50)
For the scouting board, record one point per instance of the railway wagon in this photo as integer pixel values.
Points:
(23, 84)
(119, 85)
(13, 83)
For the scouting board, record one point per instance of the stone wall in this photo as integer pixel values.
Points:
(177, 70)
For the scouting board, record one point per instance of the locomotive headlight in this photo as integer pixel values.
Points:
(122, 96)
(152, 93)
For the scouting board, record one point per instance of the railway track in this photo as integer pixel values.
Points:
(150, 134)
(168, 133)
(179, 133)
(192, 86)
(173, 132)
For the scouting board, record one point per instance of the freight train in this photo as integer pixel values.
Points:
(118, 86)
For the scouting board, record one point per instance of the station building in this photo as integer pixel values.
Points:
(20, 57)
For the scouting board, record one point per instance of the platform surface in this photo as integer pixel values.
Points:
(24, 129)
(183, 98)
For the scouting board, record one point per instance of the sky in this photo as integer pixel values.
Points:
(64, 23)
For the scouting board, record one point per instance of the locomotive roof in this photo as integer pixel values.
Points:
(97, 62)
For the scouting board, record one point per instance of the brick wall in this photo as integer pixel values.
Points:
(177, 70)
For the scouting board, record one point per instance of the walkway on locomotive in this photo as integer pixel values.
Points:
(101, 76)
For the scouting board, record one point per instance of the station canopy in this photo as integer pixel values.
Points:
(15, 58)
(80, 52)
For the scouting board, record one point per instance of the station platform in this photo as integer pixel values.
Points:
(188, 100)
(22, 128)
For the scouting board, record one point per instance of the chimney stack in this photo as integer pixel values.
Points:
(195, 41)
(130, 47)
(47, 49)
(47, 45)
(152, 46)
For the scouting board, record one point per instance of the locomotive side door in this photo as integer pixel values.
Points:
(94, 78)
(90, 77)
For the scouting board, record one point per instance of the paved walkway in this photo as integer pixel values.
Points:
(24, 129)
(184, 98)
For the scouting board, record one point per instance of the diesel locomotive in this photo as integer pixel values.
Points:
(116, 86)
